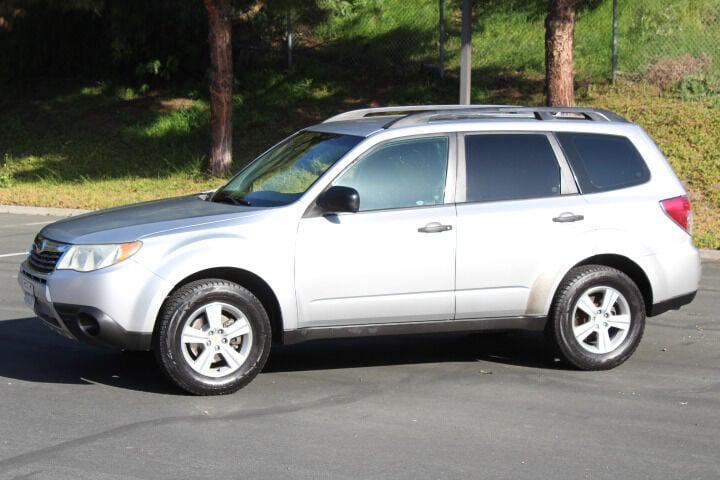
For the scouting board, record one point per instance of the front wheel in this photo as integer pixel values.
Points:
(213, 337)
(597, 318)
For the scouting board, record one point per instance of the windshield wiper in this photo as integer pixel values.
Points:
(224, 197)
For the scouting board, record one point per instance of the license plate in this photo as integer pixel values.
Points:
(29, 293)
(30, 300)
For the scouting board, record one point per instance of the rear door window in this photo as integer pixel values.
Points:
(509, 166)
(603, 162)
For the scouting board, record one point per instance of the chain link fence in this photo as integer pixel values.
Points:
(365, 33)
(654, 38)
(654, 35)
(406, 37)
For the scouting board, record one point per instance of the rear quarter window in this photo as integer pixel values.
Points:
(603, 162)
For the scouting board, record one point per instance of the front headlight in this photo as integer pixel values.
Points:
(86, 258)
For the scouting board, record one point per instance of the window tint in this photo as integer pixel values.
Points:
(409, 173)
(510, 167)
(603, 162)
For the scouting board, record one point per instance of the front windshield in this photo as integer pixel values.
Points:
(283, 173)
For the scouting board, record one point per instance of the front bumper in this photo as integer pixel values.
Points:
(93, 308)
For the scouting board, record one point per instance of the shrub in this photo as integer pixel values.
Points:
(5, 179)
(667, 72)
(697, 87)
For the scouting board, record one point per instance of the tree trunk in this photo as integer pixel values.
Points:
(559, 63)
(221, 83)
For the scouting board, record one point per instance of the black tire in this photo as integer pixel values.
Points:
(560, 323)
(181, 304)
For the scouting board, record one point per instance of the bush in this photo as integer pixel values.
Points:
(697, 87)
(668, 72)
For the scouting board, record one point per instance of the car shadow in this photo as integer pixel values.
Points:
(30, 352)
(528, 349)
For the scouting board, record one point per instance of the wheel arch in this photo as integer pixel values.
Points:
(629, 268)
(246, 279)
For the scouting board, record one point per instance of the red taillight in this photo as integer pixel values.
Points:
(680, 210)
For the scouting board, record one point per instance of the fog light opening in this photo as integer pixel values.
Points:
(88, 324)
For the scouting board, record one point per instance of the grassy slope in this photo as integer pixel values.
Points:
(509, 34)
(98, 145)
(688, 132)
(94, 148)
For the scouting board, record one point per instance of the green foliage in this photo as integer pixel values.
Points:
(5, 175)
(657, 29)
(698, 87)
(143, 133)
(155, 40)
(508, 36)
(154, 43)
(100, 145)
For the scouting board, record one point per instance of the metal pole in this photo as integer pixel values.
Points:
(289, 35)
(441, 31)
(614, 41)
(466, 52)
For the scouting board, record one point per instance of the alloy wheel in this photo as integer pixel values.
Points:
(216, 339)
(601, 319)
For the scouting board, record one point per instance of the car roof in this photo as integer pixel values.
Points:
(362, 127)
(365, 122)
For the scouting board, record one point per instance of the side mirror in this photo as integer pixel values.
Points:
(339, 199)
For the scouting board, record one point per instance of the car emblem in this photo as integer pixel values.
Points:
(40, 245)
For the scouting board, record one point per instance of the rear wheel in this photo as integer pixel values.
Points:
(597, 318)
(213, 337)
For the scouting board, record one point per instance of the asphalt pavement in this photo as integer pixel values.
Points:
(420, 407)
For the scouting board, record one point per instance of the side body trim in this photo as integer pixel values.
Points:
(531, 323)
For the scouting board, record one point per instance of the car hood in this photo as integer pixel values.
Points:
(133, 222)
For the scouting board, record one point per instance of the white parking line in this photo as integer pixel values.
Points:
(13, 254)
(39, 223)
(27, 224)
(14, 309)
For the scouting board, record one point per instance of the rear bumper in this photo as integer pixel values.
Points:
(671, 304)
(674, 277)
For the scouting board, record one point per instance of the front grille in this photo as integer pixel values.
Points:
(44, 262)
(45, 254)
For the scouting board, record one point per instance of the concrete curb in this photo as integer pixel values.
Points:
(46, 211)
(706, 254)
(710, 255)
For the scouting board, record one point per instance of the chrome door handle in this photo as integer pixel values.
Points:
(434, 227)
(566, 217)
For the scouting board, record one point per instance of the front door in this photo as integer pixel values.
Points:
(394, 260)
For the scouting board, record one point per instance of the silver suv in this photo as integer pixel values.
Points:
(386, 221)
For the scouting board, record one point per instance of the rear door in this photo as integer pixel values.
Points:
(519, 216)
